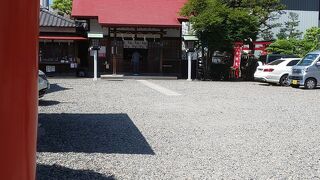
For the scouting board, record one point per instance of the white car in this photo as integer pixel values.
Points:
(43, 84)
(276, 72)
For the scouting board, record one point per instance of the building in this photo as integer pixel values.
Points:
(151, 28)
(45, 3)
(63, 45)
(308, 11)
(154, 29)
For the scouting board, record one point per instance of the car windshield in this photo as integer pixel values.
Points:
(277, 62)
(308, 60)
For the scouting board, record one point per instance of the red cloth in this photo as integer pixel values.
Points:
(237, 56)
(151, 13)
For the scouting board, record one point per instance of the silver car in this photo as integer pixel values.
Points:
(43, 84)
(307, 72)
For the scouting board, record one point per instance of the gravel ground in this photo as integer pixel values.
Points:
(214, 130)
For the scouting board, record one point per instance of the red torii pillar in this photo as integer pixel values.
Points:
(18, 88)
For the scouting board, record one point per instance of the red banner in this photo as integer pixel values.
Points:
(237, 56)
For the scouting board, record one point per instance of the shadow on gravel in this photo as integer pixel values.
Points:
(264, 84)
(277, 85)
(55, 172)
(91, 133)
(272, 85)
(48, 103)
(56, 88)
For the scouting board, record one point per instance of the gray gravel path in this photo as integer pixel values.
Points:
(214, 130)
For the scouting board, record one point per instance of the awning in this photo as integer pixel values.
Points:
(133, 13)
(79, 38)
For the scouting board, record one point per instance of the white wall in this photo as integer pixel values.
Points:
(307, 20)
(187, 29)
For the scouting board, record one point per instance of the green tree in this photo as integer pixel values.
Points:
(265, 10)
(297, 46)
(282, 46)
(220, 23)
(207, 18)
(290, 30)
(310, 41)
(63, 6)
(267, 35)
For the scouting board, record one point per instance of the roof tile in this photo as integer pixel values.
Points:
(50, 19)
(162, 13)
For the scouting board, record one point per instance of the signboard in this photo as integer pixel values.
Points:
(187, 29)
(73, 65)
(95, 35)
(101, 53)
(50, 69)
(130, 44)
(237, 56)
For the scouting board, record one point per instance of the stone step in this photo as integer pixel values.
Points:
(155, 77)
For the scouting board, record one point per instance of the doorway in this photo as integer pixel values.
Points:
(143, 62)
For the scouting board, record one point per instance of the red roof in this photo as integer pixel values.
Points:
(151, 13)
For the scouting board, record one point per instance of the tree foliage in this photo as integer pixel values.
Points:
(290, 30)
(267, 35)
(312, 39)
(63, 6)
(310, 42)
(220, 23)
(282, 46)
(265, 10)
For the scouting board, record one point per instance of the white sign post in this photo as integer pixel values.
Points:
(95, 47)
(189, 47)
(189, 65)
(95, 65)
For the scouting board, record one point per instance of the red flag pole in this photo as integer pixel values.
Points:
(18, 88)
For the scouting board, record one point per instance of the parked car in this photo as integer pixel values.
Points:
(307, 72)
(43, 84)
(266, 59)
(277, 71)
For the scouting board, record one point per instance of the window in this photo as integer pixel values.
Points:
(277, 62)
(56, 51)
(273, 58)
(293, 62)
(308, 60)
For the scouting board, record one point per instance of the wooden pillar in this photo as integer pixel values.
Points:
(76, 50)
(19, 88)
(180, 54)
(114, 46)
(161, 51)
(136, 33)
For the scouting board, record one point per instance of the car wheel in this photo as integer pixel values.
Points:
(284, 80)
(310, 83)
